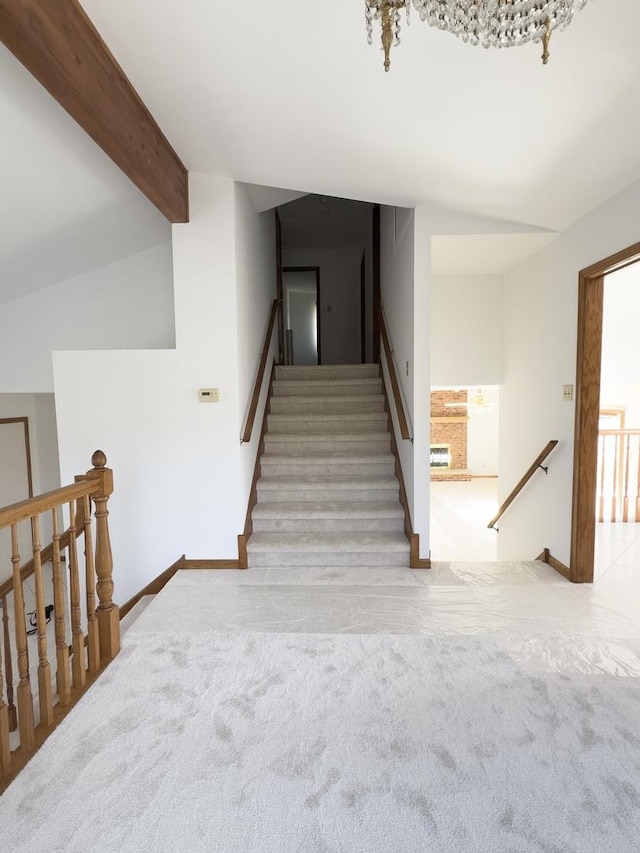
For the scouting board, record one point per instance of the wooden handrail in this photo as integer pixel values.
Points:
(95, 636)
(531, 470)
(23, 510)
(395, 385)
(255, 397)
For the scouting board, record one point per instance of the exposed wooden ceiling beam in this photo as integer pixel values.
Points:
(58, 44)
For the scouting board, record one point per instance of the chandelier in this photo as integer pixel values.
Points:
(491, 23)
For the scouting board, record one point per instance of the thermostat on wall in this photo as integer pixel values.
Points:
(209, 395)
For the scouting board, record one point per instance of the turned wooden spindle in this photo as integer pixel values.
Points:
(45, 691)
(92, 621)
(5, 749)
(107, 612)
(638, 486)
(602, 466)
(25, 697)
(63, 671)
(78, 663)
(8, 666)
(625, 500)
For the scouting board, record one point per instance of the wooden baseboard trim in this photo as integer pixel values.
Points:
(415, 560)
(547, 558)
(152, 588)
(211, 564)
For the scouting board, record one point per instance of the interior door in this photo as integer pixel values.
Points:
(301, 296)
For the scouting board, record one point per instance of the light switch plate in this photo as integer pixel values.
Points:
(209, 395)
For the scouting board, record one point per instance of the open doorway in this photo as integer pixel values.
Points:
(301, 294)
(588, 405)
(463, 472)
(617, 525)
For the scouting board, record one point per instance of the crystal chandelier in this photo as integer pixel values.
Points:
(491, 23)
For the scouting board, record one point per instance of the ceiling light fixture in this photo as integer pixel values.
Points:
(491, 23)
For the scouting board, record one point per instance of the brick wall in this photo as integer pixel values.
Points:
(455, 433)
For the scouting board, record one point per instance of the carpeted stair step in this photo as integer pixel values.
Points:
(330, 517)
(340, 465)
(293, 444)
(327, 371)
(319, 488)
(328, 549)
(359, 423)
(327, 387)
(327, 405)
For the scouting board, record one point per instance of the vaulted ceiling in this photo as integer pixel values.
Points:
(290, 95)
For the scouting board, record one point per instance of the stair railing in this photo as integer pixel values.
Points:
(531, 470)
(403, 422)
(85, 637)
(618, 475)
(257, 388)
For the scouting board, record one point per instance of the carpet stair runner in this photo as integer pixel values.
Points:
(328, 494)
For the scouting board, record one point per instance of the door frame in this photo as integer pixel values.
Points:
(588, 369)
(27, 447)
(316, 270)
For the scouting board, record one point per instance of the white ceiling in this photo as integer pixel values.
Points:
(289, 95)
(66, 208)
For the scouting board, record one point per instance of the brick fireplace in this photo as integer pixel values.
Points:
(449, 430)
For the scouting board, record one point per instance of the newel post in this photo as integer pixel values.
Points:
(107, 612)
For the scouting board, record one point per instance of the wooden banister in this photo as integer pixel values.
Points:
(95, 631)
(393, 377)
(24, 510)
(257, 388)
(531, 470)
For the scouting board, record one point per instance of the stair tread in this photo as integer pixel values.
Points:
(330, 398)
(273, 481)
(337, 416)
(328, 509)
(321, 458)
(327, 383)
(333, 436)
(324, 542)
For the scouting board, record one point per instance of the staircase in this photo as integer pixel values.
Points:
(328, 494)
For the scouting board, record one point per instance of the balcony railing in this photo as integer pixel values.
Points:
(618, 487)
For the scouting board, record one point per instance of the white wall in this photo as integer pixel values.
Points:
(620, 379)
(40, 410)
(466, 330)
(256, 289)
(541, 299)
(482, 436)
(180, 476)
(404, 269)
(127, 304)
(339, 299)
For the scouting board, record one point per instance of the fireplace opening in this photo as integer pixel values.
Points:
(440, 456)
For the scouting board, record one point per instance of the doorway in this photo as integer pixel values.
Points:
(463, 472)
(15, 485)
(588, 392)
(301, 297)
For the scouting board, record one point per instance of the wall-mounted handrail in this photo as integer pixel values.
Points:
(531, 470)
(393, 377)
(255, 397)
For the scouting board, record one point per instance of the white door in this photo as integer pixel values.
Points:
(301, 315)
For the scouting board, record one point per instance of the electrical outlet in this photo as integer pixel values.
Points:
(567, 393)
